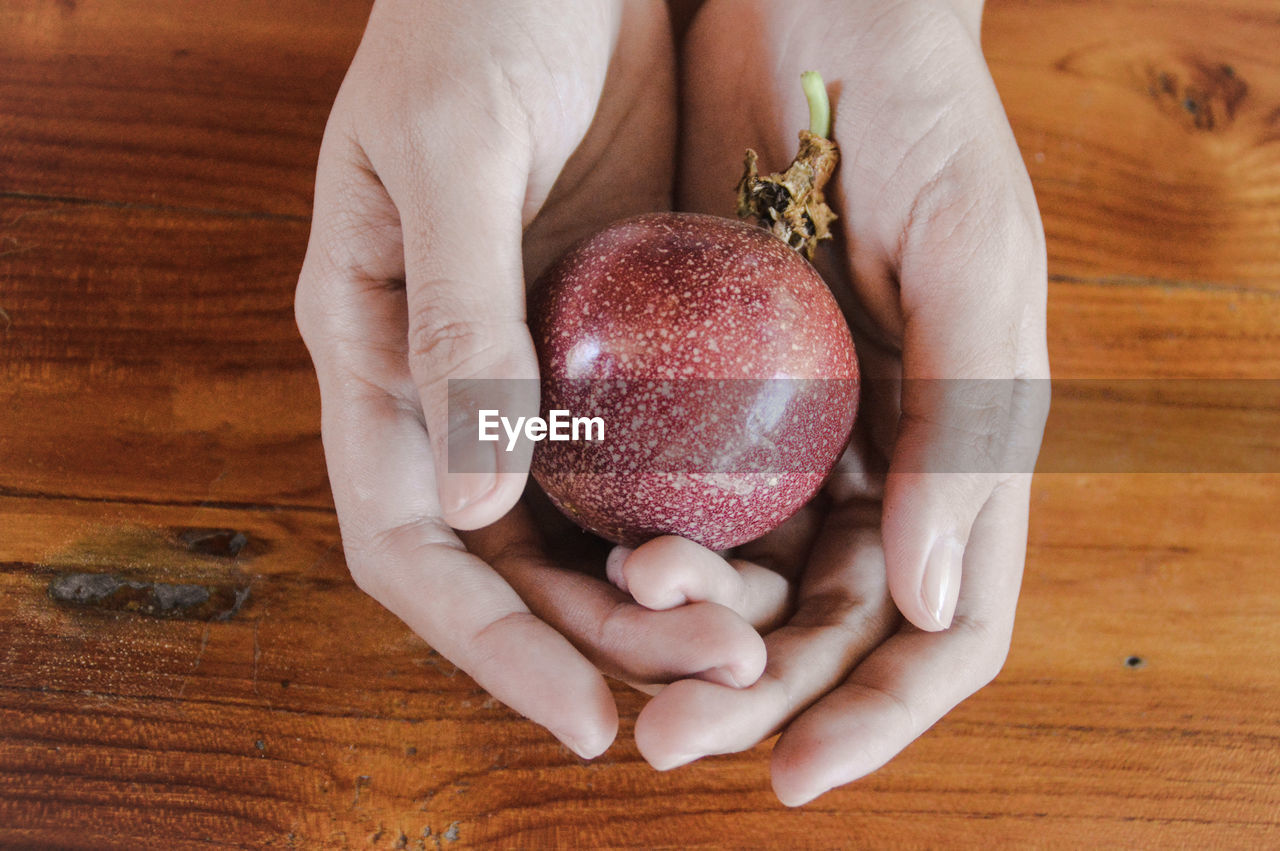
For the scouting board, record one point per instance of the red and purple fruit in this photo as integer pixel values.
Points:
(721, 365)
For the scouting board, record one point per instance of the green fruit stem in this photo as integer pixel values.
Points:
(815, 91)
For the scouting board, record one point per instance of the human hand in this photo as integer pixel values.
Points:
(462, 133)
(941, 270)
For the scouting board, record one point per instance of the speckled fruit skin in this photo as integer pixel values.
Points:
(636, 324)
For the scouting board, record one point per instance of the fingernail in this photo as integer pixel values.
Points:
(577, 750)
(613, 565)
(801, 799)
(460, 490)
(577, 747)
(470, 475)
(721, 675)
(941, 584)
(471, 466)
(674, 761)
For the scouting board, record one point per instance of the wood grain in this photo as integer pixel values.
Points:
(222, 681)
(1152, 134)
(1119, 329)
(153, 355)
(272, 727)
(216, 105)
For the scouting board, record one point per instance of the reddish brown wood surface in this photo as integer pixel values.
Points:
(1152, 131)
(160, 426)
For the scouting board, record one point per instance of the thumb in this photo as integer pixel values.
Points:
(469, 346)
(973, 395)
(942, 473)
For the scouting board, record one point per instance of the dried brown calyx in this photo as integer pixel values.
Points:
(791, 204)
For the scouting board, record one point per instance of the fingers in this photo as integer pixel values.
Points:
(844, 611)
(381, 467)
(927, 520)
(958, 440)
(465, 611)
(896, 694)
(914, 678)
(668, 572)
(625, 640)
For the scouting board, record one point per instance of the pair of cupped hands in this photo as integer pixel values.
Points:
(469, 145)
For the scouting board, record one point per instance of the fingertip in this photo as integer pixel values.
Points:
(914, 611)
(670, 571)
(653, 572)
(652, 593)
(663, 741)
(927, 522)
(707, 642)
(476, 418)
(940, 588)
(790, 797)
(732, 676)
(669, 761)
(800, 770)
(613, 566)
(590, 743)
(927, 588)
(905, 569)
(743, 650)
(588, 716)
(752, 669)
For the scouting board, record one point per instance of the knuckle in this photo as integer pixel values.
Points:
(362, 232)
(891, 700)
(1033, 400)
(441, 343)
(967, 425)
(373, 555)
(854, 615)
(611, 642)
(323, 321)
(992, 649)
(984, 418)
(403, 542)
(1030, 416)
(366, 577)
(305, 304)
(480, 114)
(494, 642)
(364, 563)
(972, 212)
(613, 628)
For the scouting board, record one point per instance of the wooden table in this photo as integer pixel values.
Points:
(159, 426)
